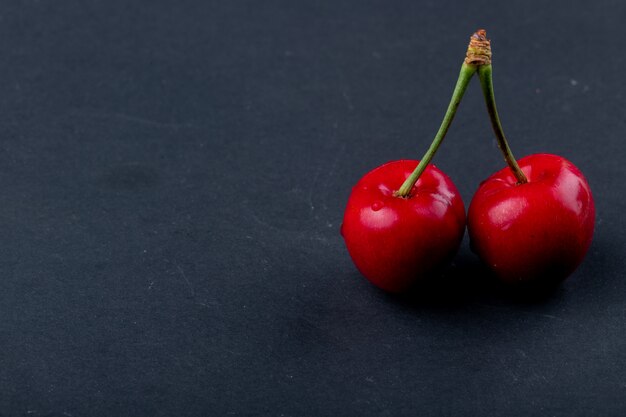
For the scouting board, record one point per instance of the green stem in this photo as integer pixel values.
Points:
(466, 74)
(486, 82)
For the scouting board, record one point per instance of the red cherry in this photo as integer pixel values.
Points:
(397, 241)
(405, 219)
(537, 232)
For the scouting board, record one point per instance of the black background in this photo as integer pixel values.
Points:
(173, 178)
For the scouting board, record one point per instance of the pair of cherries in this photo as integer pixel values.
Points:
(531, 222)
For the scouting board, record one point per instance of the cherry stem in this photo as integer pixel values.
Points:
(486, 83)
(465, 76)
(478, 54)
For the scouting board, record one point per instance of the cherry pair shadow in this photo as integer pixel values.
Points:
(467, 281)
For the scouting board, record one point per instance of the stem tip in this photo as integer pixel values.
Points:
(479, 49)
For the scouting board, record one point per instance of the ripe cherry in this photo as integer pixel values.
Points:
(537, 232)
(404, 220)
(531, 222)
(396, 241)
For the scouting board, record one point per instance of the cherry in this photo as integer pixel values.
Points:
(405, 219)
(533, 221)
(396, 241)
(535, 232)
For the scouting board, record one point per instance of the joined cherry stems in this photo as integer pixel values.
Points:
(477, 60)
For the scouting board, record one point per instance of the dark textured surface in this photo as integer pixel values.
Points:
(173, 179)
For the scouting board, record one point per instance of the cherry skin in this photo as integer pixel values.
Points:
(535, 233)
(395, 241)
